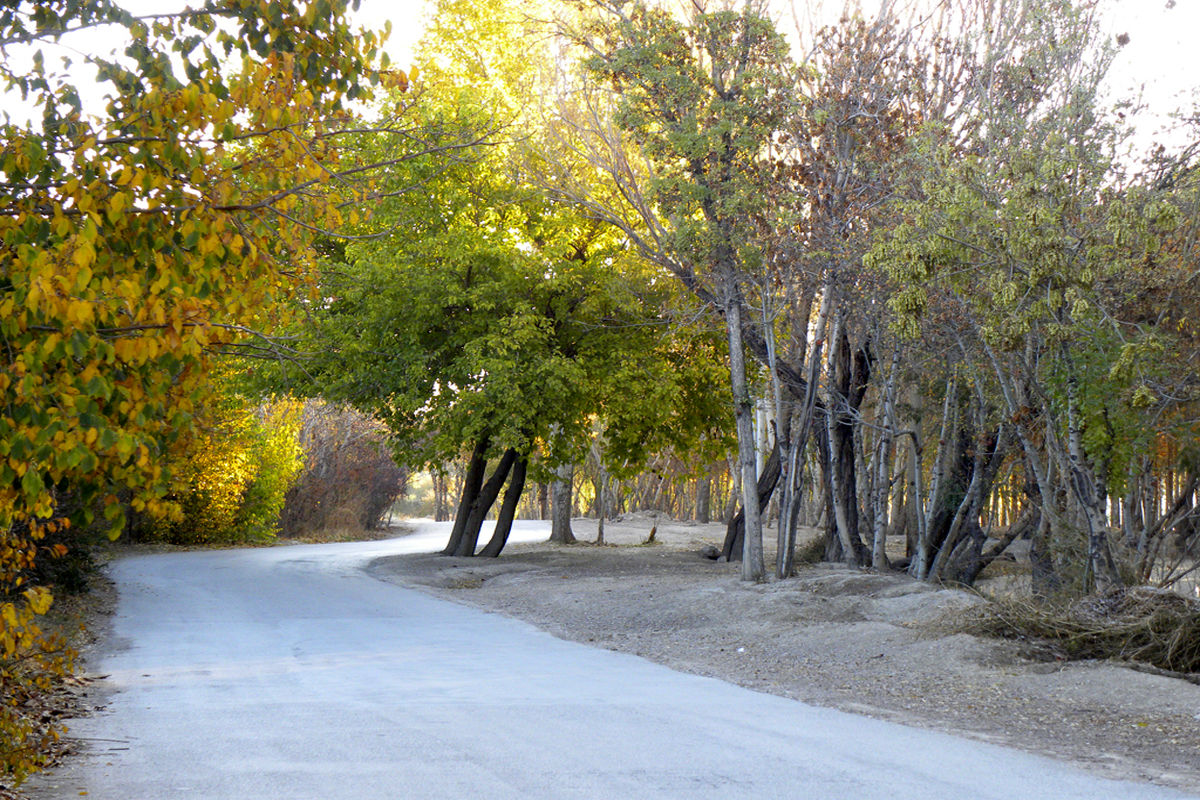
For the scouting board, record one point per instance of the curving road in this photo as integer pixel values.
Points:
(290, 673)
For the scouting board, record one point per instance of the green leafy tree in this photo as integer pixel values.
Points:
(493, 321)
(699, 101)
(1015, 248)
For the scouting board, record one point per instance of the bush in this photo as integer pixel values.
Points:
(349, 480)
(31, 664)
(231, 479)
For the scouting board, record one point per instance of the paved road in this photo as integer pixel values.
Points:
(290, 673)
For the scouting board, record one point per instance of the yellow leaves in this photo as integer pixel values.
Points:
(39, 598)
(117, 203)
(80, 312)
(396, 79)
(34, 296)
(121, 273)
(84, 256)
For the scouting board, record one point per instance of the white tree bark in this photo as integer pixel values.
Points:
(753, 568)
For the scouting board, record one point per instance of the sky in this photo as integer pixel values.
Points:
(1161, 62)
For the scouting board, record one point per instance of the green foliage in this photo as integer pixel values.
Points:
(488, 312)
(232, 476)
(137, 244)
(702, 100)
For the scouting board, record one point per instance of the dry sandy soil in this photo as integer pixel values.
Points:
(867, 643)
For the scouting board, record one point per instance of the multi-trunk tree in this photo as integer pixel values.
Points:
(485, 319)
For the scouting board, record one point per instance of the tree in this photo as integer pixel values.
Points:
(138, 244)
(489, 319)
(497, 324)
(699, 100)
(349, 480)
(1019, 248)
(230, 476)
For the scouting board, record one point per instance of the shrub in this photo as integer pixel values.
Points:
(31, 664)
(1151, 626)
(231, 479)
(349, 480)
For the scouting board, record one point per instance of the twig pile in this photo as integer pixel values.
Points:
(1139, 624)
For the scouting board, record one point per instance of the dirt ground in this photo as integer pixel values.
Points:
(872, 644)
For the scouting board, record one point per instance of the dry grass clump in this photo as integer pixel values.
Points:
(1141, 624)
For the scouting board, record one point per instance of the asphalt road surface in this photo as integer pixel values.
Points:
(290, 673)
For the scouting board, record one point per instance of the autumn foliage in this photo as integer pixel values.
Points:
(230, 477)
(140, 240)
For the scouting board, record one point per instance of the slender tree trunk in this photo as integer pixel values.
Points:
(735, 491)
(483, 503)
(919, 568)
(508, 508)
(600, 501)
(439, 496)
(560, 491)
(833, 535)
(704, 498)
(753, 568)
(733, 548)
(1083, 482)
(472, 482)
(883, 470)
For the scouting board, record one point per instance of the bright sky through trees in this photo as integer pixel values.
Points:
(1158, 64)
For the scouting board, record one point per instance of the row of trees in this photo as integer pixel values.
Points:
(925, 237)
(922, 236)
(954, 290)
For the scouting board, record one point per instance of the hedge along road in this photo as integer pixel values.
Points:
(289, 672)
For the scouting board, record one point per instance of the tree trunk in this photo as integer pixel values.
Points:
(601, 485)
(470, 491)
(1083, 481)
(508, 508)
(560, 493)
(733, 549)
(483, 503)
(753, 568)
(839, 421)
(704, 498)
(883, 471)
(735, 491)
(543, 499)
(934, 505)
(439, 497)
